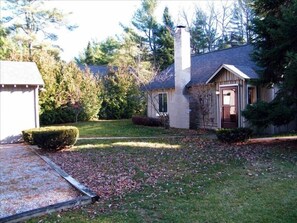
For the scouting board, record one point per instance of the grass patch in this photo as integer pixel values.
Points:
(125, 128)
(183, 180)
(116, 128)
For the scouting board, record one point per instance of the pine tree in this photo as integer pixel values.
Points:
(28, 20)
(165, 42)
(89, 55)
(99, 53)
(236, 31)
(198, 34)
(145, 22)
(276, 53)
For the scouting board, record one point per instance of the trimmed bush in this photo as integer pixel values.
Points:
(28, 136)
(147, 121)
(51, 138)
(234, 135)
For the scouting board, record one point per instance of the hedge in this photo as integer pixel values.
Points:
(51, 138)
(234, 135)
(147, 121)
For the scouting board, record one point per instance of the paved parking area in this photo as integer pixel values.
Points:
(28, 183)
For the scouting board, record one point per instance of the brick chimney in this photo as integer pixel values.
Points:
(180, 117)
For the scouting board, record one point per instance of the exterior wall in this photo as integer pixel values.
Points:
(180, 116)
(268, 94)
(153, 102)
(18, 111)
(223, 79)
(203, 105)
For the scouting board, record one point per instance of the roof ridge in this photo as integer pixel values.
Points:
(221, 50)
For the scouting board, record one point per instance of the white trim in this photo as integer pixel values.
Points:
(247, 93)
(219, 123)
(228, 85)
(160, 112)
(36, 107)
(237, 72)
(220, 104)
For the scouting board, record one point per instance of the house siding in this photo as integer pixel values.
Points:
(224, 78)
(203, 107)
(153, 102)
(17, 111)
(268, 94)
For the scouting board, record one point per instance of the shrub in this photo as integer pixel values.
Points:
(28, 136)
(51, 138)
(147, 121)
(281, 114)
(262, 114)
(258, 114)
(234, 135)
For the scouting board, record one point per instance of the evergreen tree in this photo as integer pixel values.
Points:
(120, 98)
(241, 23)
(211, 29)
(5, 44)
(224, 20)
(146, 24)
(276, 52)
(71, 95)
(237, 27)
(29, 20)
(204, 30)
(198, 34)
(101, 53)
(89, 55)
(165, 42)
(108, 49)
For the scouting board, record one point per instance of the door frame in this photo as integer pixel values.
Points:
(220, 102)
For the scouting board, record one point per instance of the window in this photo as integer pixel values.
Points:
(163, 102)
(252, 95)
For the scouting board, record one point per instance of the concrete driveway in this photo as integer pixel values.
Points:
(27, 182)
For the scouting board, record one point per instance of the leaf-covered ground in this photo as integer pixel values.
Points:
(184, 179)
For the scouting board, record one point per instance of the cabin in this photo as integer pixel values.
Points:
(207, 90)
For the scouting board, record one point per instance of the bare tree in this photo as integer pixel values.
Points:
(223, 19)
(203, 97)
(241, 22)
(248, 16)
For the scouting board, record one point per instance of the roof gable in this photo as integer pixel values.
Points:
(203, 66)
(242, 72)
(19, 73)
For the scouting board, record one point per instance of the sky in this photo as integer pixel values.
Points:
(100, 19)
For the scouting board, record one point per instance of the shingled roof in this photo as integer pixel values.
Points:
(19, 73)
(203, 66)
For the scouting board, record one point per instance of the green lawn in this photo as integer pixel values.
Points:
(116, 128)
(188, 179)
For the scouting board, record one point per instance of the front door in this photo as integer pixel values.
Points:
(229, 108)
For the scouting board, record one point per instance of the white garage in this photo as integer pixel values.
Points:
(19, 110)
